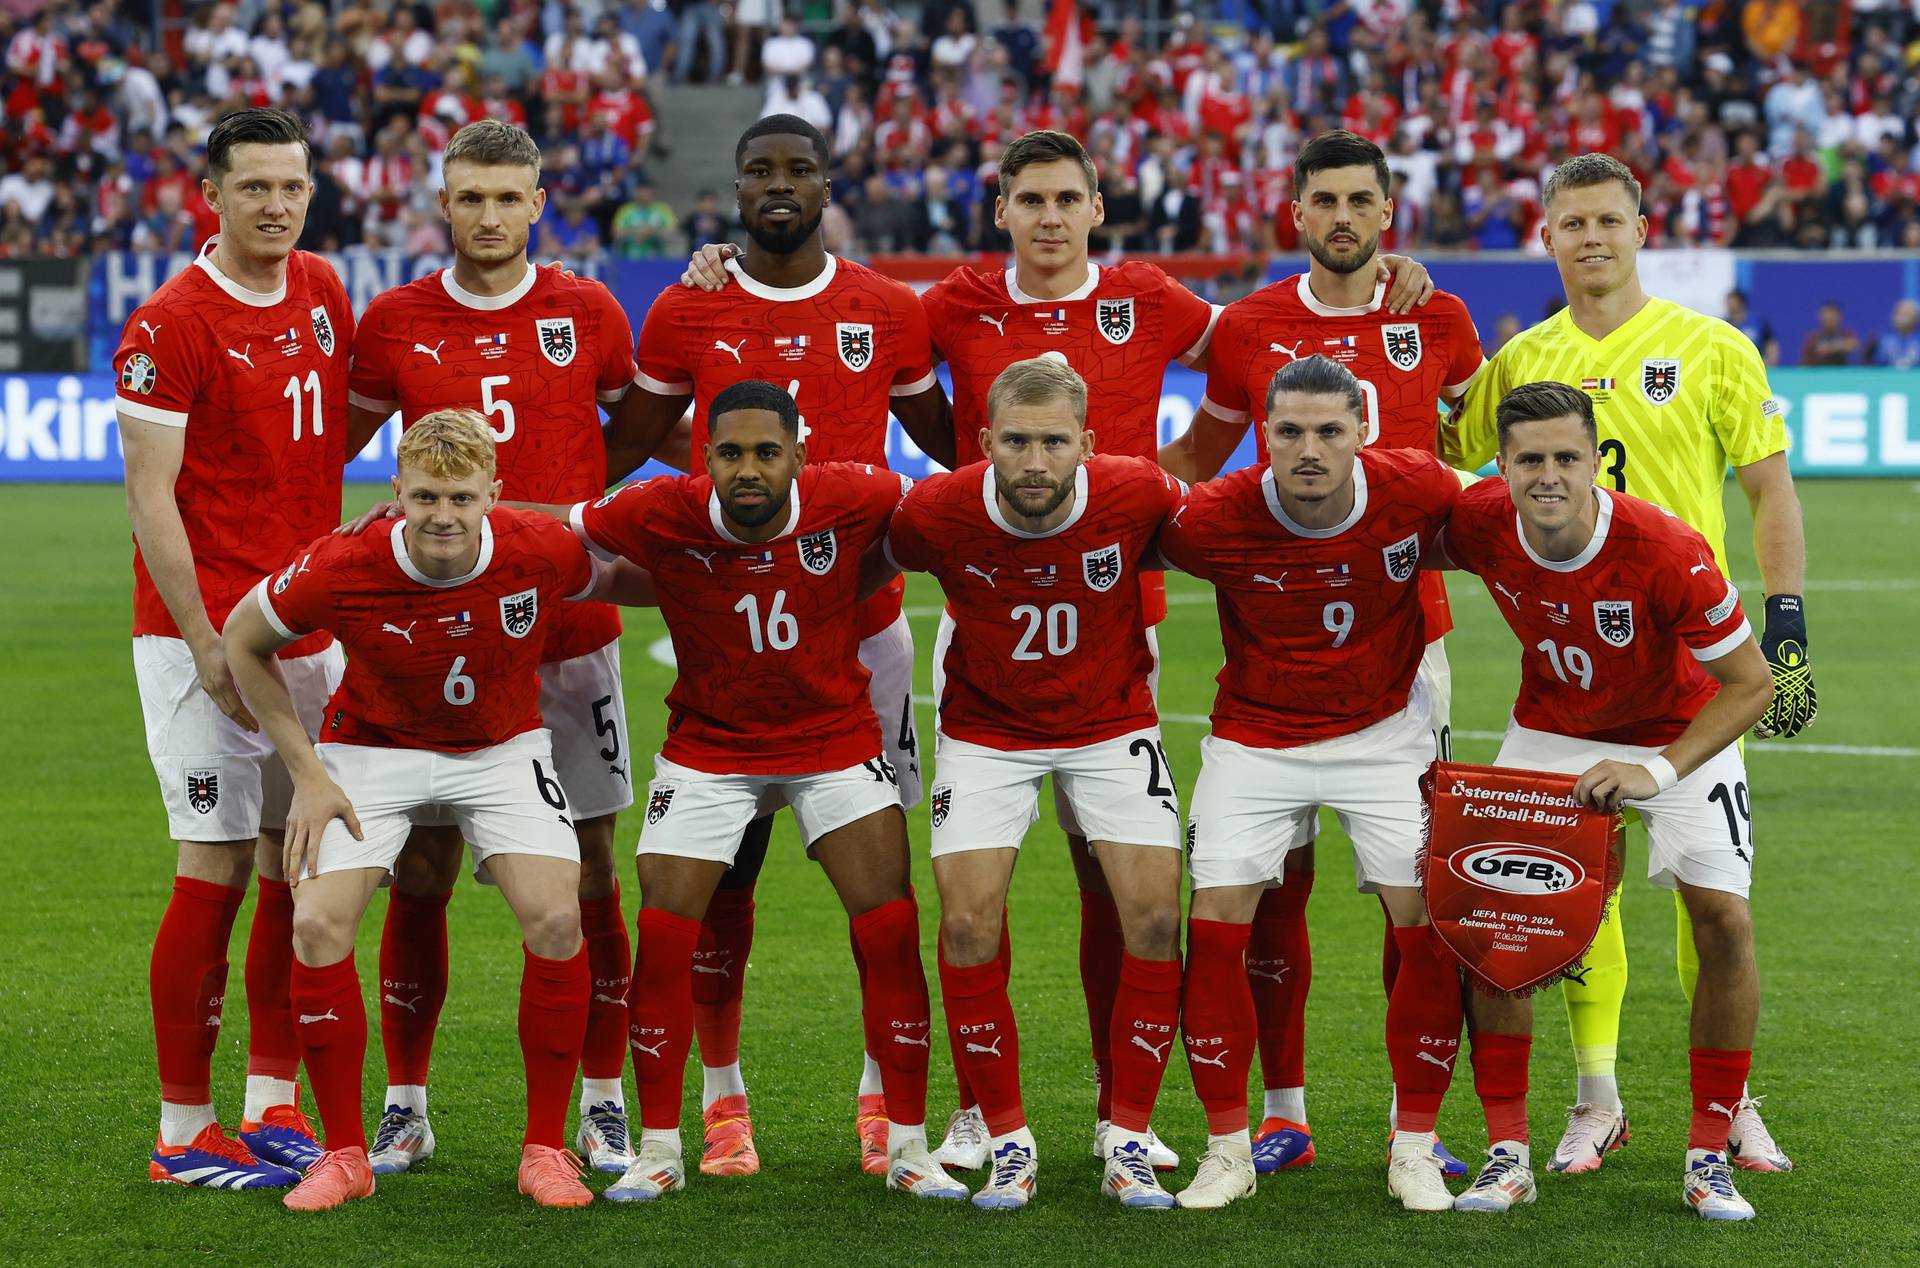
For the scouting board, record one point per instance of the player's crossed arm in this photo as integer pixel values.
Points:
(251, 640)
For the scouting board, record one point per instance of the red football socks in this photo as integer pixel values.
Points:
(660, 1013)
(894, 1006)
(986, 1044)
(719, 975)
(1216, 1015)
(1718, 1078)
(1146, 1011)
(187, 982)
(962, 1087)
(1500, 1081)
(1424, 1016)
(553, 1025)
(413, 982)
(610, 968)
(273, 1049)
(332, 1022)
(1101, 946)
(1280, 972)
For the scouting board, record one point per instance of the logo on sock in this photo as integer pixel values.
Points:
(307, 1019)
(652, 1052)
(1157, 1051)
(1446, 1065)
(410, 1005)
(992, 1051)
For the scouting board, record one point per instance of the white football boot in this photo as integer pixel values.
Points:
(1592, 1133)
(965, 1146)
(1750, 1145)
(658, 1169)
(1414, 1175)
(1225, 1174)
(1504, 1183)
(1708, 1188)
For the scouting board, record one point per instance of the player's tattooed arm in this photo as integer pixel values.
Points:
(707, 270)
(250, 643)
(1409, 283)
(928, 420)
(1746, 689)
(153, 455)
(644, 426)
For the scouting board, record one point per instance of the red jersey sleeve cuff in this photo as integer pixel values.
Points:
(660, 387)
(1460, 388)
(1222, 413)
(265, 601)
(597, 570)
(914, 388)
(1726, 645)
(1199, 349)
(150, 413)
(382, 408)
(577, 519)
(886, 550)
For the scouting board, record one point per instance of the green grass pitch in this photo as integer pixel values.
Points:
(84, 857)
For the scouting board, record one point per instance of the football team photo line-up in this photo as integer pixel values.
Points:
(436, 684)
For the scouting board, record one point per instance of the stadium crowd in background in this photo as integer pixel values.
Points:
(1754, 124)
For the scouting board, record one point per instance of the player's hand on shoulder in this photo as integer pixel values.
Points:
(216, 679)
(1609, 783)
(707, 270)
(378, 511)
(1409, 285)
(316, 803)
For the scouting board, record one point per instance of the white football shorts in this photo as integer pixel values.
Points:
(1253, 805)
(888, 657)
(696, 814)
(1120, 790)
(218, 782)
(507, 799)
(582, 705)
(1699, 831)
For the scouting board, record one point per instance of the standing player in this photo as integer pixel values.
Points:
(539, 353)
(1405, 364)
(440, 707)
(757, 567)
(1047, 673)
(1314, 558)
(1639, 674)
(232, 407)
(1678, 397)
(849, 344)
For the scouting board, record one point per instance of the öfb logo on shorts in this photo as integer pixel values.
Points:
(1513, 868)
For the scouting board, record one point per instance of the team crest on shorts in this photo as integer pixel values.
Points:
(1403, 557)
(556, 339)
(853, 340)
(940, 801)
(1613, 618)
(1114, 318)
(1403, 344)
(203, 789)
(518, 612)
(817, 551)
(139, 374)
(1659, 380)
(1101, 568)
(659, 801)
(323, 329)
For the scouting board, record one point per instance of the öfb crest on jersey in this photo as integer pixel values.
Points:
(1403, 557)
(1101, 568)
(1659, 380)
(556, 339)
(1613, 618)
(1403, 344)
(817, 551)
(322, 329)
(853, 340)
(518, 611)
(1114, 319)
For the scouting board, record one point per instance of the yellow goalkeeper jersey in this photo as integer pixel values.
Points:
(1678, 396)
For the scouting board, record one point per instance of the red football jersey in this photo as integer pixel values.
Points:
(843, 345)
(1403, 363)
(260, 384)
(535, 361)
(1611, 639)
(1322, 627)
(770, 680)
(1049, 647)
(448, 665)
(1118, 332)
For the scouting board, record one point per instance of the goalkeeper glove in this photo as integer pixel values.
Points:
(1784, 644)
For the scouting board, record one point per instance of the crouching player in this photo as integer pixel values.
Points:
(1047, 674)
(1314, 559)
(442, 619)
(1640, 673)
(757, 565)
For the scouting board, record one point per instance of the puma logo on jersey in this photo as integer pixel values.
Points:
(307, 1019)
(1293, 351)
(246, 356)
(1158, 1051)
(407, 633)
(433, 352)
(1197, 1059)
(733, 351)
(1446, 1065)
(153, 332)
(994, 1051)
(412, 1005)
(986, 576)
(706, 560)
(1278, 583)
(1702, 566)
(1510, 595)
(998, 323)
